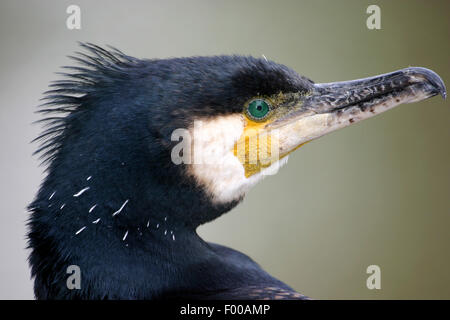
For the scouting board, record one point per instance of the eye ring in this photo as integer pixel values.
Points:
(258, 109)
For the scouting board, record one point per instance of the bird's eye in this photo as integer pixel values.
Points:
(258, 109)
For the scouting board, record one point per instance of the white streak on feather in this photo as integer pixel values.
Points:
(120, 209)
(92, 208)
(80, 230)
(125, 236)
(81, 192)
(51, 196)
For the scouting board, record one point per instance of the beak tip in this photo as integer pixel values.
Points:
(432, 77)
(440, 86)
(443, 92)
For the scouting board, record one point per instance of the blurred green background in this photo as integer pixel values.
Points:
(374, 193)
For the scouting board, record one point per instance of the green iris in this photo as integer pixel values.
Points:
(258, 109)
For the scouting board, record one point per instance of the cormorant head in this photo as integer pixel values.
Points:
(141, 152)
(180, 141)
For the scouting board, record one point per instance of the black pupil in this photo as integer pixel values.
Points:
(259, 107)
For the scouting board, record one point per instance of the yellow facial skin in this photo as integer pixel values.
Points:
(253, 149)
(258, 146)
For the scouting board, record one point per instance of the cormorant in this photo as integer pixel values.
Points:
(122, 201)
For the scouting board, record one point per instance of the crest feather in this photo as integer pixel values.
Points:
(96, 69)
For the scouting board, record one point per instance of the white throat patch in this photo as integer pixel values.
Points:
(215, 167)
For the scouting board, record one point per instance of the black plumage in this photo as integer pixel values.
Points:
(108, 139)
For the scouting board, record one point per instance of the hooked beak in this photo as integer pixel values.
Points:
(331, 106)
